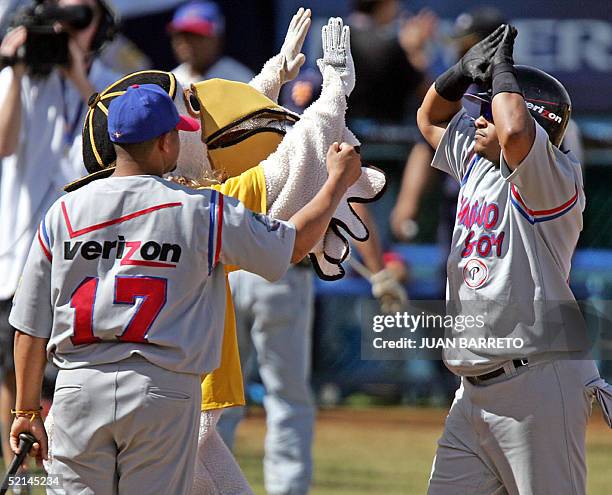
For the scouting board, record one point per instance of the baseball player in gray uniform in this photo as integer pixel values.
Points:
(124, 290)
(517, 424)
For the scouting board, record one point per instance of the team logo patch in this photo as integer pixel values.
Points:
(270, 224)
(475, 273)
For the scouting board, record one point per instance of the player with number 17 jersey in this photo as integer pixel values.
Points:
(141, 272)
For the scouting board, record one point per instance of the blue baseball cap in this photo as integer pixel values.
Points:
(202, 18)
(145, 112)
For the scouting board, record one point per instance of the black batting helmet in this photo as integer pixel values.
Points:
(545, 97)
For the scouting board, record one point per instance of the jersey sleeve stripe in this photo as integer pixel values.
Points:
(211, 230)
(219, 228)
(92, 228)
(551, 211)
(533, 219)
(44, 248)
(44, 232)
(472, 162)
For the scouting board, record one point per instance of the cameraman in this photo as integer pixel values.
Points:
(40, 145)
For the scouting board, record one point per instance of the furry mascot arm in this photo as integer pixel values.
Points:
(297, 170)
(284, 66)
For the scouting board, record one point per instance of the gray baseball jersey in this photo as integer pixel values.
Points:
(513, 240)
(133, 265)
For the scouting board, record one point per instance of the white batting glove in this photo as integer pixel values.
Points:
(389, 292)
(336, 40)
(293, 59)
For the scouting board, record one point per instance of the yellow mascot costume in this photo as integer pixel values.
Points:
(269, 158)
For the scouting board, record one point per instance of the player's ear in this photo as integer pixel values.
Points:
(163, 142)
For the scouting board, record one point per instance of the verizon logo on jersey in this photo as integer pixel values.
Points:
(140, 253)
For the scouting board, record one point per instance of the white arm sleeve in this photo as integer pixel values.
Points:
(268, 81)
(296, 168)
(547, 180)
(254, 242)
(32, 311)
(456, 147)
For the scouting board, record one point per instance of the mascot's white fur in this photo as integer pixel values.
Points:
(294, 172)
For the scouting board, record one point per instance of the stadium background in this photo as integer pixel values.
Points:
(385, 441)
(571, 40)
(366, 450)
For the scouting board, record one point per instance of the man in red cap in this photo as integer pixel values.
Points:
(197, 30)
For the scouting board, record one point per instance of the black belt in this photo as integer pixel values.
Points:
(475, 380)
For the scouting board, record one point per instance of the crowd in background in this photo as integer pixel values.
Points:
(40, 122)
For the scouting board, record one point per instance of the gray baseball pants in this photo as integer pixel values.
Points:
(523, 434)
(124, 428)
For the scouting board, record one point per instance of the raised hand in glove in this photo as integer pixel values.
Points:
(293, 59)
(336, 40)
(504, 53)
(389, 292)
(473, 67)
(502, 64)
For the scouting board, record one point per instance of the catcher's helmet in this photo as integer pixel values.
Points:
(546, 99)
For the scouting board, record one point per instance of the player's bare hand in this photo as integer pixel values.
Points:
(417, 30)
(403, 225)
(37, 428)
(301, 93)
(343, 164)
(11, 43)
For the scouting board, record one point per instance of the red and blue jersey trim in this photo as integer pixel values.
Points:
(215, 229)
(537, 216)
(43, 239)
(92, 228)
(472, 161)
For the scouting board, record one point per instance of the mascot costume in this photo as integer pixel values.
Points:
(272, 160)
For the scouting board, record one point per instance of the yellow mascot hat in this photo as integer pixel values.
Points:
(240, 126)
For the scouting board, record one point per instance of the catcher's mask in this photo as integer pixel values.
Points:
(240, 126)
(545, 97)
(98, 151)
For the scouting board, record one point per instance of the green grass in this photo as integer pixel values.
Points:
(370, 451)
(387, 450)
(35, 490)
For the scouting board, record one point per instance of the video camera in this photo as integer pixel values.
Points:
(45, 46)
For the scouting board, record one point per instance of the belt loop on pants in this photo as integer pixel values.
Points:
(478, 380)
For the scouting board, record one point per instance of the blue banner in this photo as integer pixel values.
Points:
(570, 40)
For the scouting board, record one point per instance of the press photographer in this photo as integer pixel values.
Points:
(51, 54)
(46, 38)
